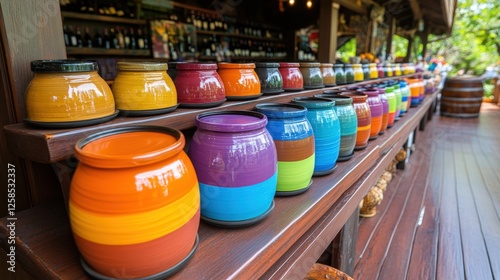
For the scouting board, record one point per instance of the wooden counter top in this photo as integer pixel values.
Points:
(284, 245)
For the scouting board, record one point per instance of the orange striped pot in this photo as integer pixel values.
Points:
(134, 202)
(363, 113)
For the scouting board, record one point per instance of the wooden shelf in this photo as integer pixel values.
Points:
(284, 245)
(106, 52)
(80, 16)
(53, 145)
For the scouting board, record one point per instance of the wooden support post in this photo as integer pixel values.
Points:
(411, 40)
(328, 27)
(392, 30)
(344, 245)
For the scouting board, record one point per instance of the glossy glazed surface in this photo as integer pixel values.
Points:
(68, 97)
(339, 74)
(376, 112)
(292, 77)
(311, 74)
(270, 78)
(391, 100)
(358, 72)
(141, 87)
(326, 127)
(294, 140)
(349, 73)
(125, 198)
(348, 122)
(327, 74)
(199, 84)
(240, 80)
(236, 163)
(363, 114)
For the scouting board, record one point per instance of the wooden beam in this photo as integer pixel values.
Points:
(328, 30)
(353, 6)
(392, 31)
(415, 8)
(411, 40)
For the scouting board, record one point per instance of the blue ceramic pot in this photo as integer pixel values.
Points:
(348, 124)
(326, 127)
(293, 136)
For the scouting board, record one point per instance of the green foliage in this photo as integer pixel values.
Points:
(475, 40)
(348, 50)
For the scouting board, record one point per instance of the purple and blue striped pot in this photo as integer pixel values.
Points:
(236, 163)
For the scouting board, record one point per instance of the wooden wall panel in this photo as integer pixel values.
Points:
(30, 30)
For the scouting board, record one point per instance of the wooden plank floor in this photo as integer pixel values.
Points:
(440, 217)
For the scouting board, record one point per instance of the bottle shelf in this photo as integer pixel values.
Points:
(242, 58)
(81, 16)
(219, 33)
(105, 52)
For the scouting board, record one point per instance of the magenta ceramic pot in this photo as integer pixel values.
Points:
(236, 162)
(292, 77)
(199, 85)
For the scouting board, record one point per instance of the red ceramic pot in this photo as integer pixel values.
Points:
(199, 85)
(292, 77)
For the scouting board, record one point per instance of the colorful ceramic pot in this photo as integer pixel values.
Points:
(391, 100)
(348, 123)
(349, 73)
(385, 108)
(366, 72)
(397, 69)
(68, 93)
(199, 85)
(405, 97)
(240, 80)
(326, 127)
(380, 69)
(340, 78)
(236, 162)
(328, 74)
(399, 96)
(292, 77)
(311, 74)
(358, 72)
(416, 86)
(376, 112)
(363, 114)
(270, 78)
(294, 139)
(134, 202)
(388, 70)
(373, 71)
(144, 88)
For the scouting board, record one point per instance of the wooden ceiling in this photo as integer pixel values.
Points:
(436, 15)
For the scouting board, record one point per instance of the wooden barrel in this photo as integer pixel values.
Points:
(461, 97)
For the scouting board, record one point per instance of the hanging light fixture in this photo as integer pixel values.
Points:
(291, 2)
(309, 4)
